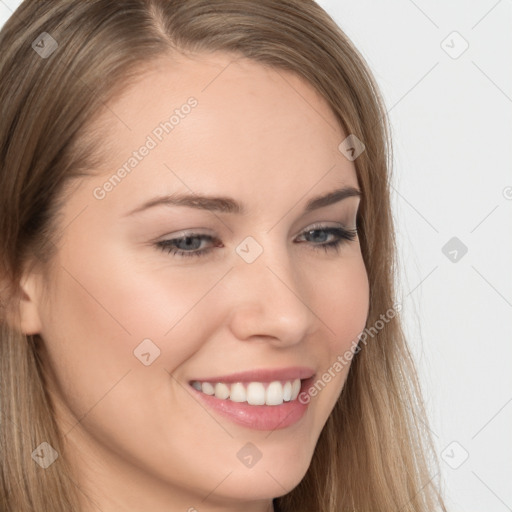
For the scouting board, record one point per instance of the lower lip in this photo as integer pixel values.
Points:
(259, 417)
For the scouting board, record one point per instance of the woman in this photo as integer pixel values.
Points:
(197, 265)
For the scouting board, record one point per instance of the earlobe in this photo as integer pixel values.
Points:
(30, 321)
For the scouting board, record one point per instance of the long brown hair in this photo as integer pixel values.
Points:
(375, 451)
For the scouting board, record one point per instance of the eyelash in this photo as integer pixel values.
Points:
(344, 236)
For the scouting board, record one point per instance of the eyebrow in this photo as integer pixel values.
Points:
(228, 205)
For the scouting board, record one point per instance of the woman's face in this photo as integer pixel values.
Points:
(131, 327)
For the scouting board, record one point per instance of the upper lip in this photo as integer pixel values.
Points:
(263, 375)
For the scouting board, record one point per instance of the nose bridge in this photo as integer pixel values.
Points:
(269, 299)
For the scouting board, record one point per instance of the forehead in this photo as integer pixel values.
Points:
(218, 118)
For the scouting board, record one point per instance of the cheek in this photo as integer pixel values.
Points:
(113, 300)
(343, 302)
(105, 318)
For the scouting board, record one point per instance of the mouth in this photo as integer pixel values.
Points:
(259, 387)
(253, 393)
(264, 404)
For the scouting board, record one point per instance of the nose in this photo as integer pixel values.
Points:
(270, 300)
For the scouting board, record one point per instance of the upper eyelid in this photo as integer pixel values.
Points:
(196, 232)
(213, 239)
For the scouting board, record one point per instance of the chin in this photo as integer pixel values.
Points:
(267, 479)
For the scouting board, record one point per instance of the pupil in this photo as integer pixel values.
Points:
(317, 231)
(189, 241)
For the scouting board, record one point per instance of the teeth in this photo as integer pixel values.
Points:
(221, 390)
(274, 394)
(207, 388)
(295, 389)
(254, 393)
(287, 392)
(238, 393)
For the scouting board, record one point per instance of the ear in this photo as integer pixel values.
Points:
(30, 320)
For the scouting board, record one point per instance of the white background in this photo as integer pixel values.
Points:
(451, 122)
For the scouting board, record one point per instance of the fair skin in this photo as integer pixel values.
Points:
(137, 436)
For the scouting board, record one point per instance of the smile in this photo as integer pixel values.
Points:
(253, 393)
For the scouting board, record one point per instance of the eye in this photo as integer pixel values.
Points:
(188, 245)
(341, 237)
(191, 243)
